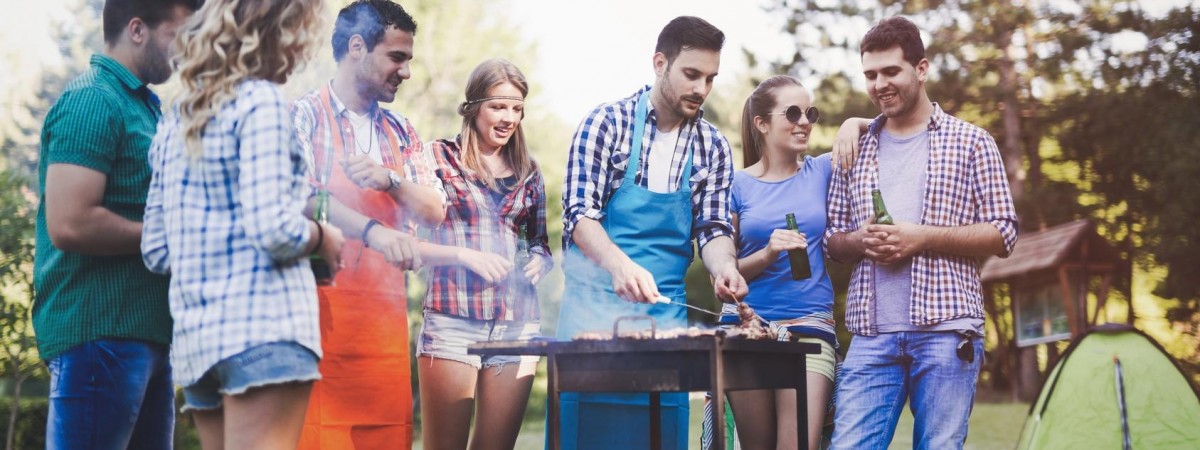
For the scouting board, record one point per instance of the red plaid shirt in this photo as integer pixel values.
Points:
(474, 221)
(965, 184)
(400, 147)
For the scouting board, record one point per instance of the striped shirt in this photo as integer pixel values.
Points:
(965, 184)
(600, 155)
(475, 221)
(229, 228)
(103, 121)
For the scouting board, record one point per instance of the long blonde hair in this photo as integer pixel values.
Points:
(230, 41)
(488, 74)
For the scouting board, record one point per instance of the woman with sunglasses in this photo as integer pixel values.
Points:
(780, 179)
(486, 258)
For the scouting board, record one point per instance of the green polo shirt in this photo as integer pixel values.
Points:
(104, 121)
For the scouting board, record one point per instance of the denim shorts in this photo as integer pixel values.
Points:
(261, 365)
(822, 363)
(446, 336)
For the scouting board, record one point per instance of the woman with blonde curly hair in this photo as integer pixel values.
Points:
(225, 217)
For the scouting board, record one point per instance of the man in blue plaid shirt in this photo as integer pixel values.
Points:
(647, 175)
(915, 301)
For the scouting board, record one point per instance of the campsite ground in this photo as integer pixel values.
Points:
(995, 425)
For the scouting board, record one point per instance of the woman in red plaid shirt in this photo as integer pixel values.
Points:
(475, 291)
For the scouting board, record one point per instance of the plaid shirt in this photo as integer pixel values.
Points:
(104, 121)
(965, 184)
(229, 228)
(399, 145)
(474, 221)
(600, 156)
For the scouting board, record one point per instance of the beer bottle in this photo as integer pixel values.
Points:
(522, 256)
(881, 214)
(320, 266)
(798, 258)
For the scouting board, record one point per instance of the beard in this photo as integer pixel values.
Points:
(905, 103)
(375, 91)
(155, 65)
(676, 102)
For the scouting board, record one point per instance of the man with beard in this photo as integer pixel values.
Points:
(646, 175)
(915, 301)
(371, 162)
(101, 318)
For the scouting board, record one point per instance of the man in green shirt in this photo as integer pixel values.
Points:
(101, 318)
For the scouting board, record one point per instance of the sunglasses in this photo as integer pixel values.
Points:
(794, 113)
(964, 349)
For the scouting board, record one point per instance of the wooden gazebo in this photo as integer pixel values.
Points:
(1050, 275)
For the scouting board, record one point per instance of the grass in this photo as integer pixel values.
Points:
(993, 426)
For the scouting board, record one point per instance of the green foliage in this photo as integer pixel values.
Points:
(1091, 124)
(30, 429)
(18, 353)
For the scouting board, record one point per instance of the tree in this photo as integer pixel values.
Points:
(1135, 134)
(1032, 72)
(17, 349)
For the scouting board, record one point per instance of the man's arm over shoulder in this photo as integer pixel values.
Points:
(81, 139)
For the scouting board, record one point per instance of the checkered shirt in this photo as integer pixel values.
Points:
(229, 228)
(600, 155)
(965, 184)
(311, 116)
(475, 221)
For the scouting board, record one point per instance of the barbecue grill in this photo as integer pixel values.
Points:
(709, 361)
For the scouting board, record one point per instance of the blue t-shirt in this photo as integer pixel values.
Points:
(762, 207)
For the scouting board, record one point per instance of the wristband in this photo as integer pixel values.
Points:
(320, 237)
(367, 229)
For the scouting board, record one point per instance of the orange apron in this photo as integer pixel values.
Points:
(364, 397)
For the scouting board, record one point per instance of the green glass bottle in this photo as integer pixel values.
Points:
(522, 256)
(320, 267)
(798, 258)
(881, 213)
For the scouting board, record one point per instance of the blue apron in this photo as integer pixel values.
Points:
(655, 231)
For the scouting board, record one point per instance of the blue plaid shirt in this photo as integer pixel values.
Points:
(965, 184)
(229, 228)
(600, 156)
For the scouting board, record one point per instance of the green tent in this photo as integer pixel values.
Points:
(1114, 388)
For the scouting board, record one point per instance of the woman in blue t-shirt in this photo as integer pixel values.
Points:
(779, 179)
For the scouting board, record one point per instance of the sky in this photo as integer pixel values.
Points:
(590, 52)
(606, 53)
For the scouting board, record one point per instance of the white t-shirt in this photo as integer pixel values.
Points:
(658, 160)
(366, 141)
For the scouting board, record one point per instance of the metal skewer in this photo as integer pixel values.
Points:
(664, 299)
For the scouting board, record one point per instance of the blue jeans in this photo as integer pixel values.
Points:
(111, 394)
(881, 372)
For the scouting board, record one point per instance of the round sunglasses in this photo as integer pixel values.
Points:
(794, 113)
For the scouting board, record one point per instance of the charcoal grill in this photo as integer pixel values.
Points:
(707, 362)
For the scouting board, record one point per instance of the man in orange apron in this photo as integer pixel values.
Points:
(371, 162)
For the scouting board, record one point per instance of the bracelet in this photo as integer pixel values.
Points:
(367, 229)
(320, 237)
